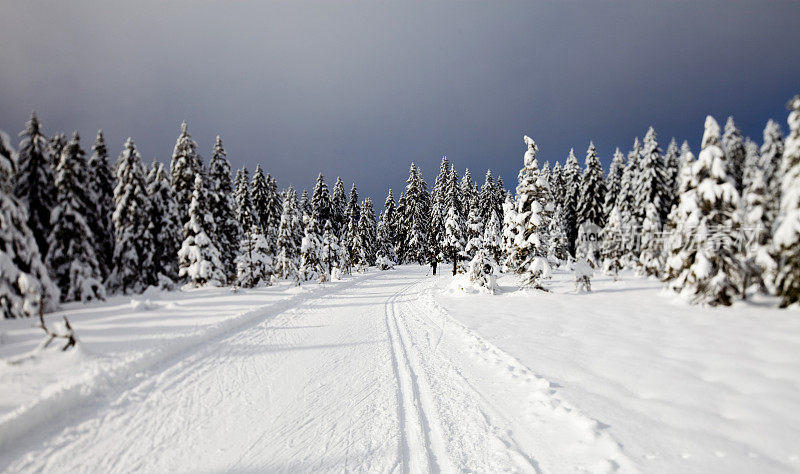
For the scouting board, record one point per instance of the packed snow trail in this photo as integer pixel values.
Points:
(370, 377)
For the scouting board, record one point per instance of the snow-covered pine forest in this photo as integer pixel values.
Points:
(716, 224)
(185, 317)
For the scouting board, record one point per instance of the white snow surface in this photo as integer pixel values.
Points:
(394, 371)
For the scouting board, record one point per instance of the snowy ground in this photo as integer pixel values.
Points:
(391, 371)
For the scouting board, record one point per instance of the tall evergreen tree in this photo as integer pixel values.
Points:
(186, 164)
(417, 216)
(310, 248)
(703, 263)
(453, 242)
(611, 250)
(24, 281)
(771, 158)
(166, 228)
(652, 185)
(71, 256)
(321, 202)
(253, 262)
(389, 218)
(199, 259)
(305, 206)
(101, 185)
(758, 265)
(385, 257)
(557, 189)
(533, 212)
(330, 251)
(733, 146)
(367, 232)
(259, 197)
(401, 229)
(492, 240)
(571, 175)
(222, 208)
(274, 211)
(650, 260)
(557, 248)
(787, 233)
(593, 191)
(245, 214)
(34, 181)
(339, 208)
(467, 193)
(351, 234)
(672, 164)
(133, 241)
(286, 264)
(55, 145)
(613, 182)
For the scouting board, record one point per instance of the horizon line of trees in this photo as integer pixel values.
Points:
(75, 228)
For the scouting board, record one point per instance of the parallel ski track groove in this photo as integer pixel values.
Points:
(410, 409)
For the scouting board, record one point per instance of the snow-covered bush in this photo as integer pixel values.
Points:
(483, 271)
(584, 272)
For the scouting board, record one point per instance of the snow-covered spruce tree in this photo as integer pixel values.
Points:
(702, 264)
(438, 212)
(488, 197)
(613, 182)
(24, 281)
(453, 242)
(492, 239)
(310, 261)
(510, 230)
(350, 240)
(222, 208)
(71, 253)
(467, 193)
(133, 241)
(571, 175)
(166, 228)
(787, 226)
(321, 202)
(593, 191)
(254, 265)
(55, 146)
(759, 268)
(533, 211)
(625, 202)
(651, 258)
(400, 229)
(385, 257)
(199, 259)
(474, 228)
(101, 186)
(752, 160)
(771, 159)
(557, 249)
(367, 232)
(244, 205)
(417, 207)
(305, 206)
(483, 271)
(651, 185)
(259, 197)
(274, 211)
(339, 209)
(330, 253)
(733, 145)
(186, 164)
(286, 264)
(33, 183)
(611, 249)
(557, 189)
(672, 166)
(389, 217)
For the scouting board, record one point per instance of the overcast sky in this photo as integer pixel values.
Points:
(362, 89)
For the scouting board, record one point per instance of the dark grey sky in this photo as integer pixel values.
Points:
(360, 89)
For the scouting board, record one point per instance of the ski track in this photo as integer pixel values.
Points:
(373, 376)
